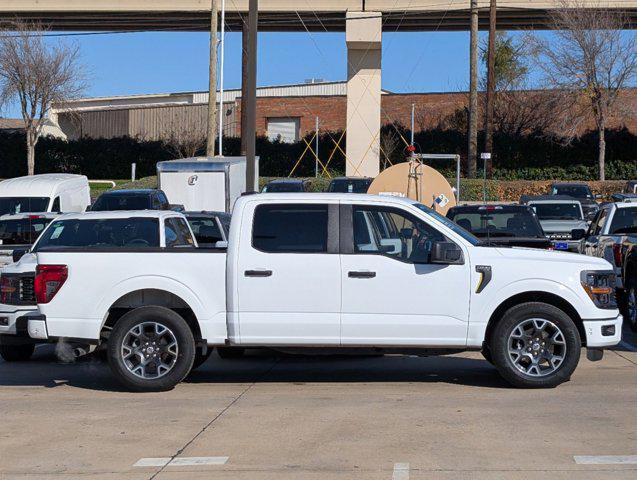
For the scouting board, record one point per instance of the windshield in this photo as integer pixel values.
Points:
(121, 202)
(472, 239)
(557, 211)
(22, 231)
(576, 191)
(498, 222)
(624, 221)
(358, 185)
(13, 205)
(283, 187)
(102, 233)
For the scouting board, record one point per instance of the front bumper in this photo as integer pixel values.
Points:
(603, 333)
(9, 320)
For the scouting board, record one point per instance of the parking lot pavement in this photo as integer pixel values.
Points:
(269, 417)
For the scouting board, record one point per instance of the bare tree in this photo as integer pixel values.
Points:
(35, 73)
(389, 143)
(185, 139)
(589, 61)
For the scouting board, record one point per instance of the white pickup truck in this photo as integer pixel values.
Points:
(323, 270)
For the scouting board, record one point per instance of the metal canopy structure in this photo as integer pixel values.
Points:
(281, 15)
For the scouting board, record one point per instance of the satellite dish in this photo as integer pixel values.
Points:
(417, 181)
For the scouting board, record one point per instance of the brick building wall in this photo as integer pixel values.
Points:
(332, 110)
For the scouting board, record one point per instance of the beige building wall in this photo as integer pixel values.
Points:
(363, 35)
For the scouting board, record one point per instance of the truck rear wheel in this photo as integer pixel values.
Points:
(151, 349)
(17, 353)
(535, 345)
(630, 305)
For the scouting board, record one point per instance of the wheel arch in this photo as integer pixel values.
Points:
(156, 297)
(536, 296)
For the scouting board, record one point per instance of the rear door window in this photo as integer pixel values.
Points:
(290, 228)
(624, 221)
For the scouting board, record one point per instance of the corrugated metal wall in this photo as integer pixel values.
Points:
(103, 124)
(148, 123)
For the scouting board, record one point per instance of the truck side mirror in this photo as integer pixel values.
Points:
(446, 253)
(578, 234)
(221, 244)
(18, 253)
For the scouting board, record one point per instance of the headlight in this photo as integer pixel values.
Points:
(600, 286)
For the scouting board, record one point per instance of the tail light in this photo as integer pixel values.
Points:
(7, 289)
(617, 254)
(48, 281)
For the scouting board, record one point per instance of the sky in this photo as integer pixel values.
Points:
(139, 63)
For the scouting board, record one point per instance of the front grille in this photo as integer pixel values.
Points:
(560, 236)
(17, 289)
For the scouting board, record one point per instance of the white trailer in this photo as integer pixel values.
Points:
(203, 183)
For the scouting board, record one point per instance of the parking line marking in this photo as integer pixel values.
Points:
(627, 346)
(606, 459)
(401, 471)
(152, 462)
(182, 461)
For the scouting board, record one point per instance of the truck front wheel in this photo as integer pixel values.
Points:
(17, 353)
(535, 345)
(151, 349)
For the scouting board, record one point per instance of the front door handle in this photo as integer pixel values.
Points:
(258, 273)
(361, 274)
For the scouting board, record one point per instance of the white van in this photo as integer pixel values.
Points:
(49, 192)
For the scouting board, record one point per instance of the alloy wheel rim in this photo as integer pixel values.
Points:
(149, 350)
(632, 306)
(536, 347)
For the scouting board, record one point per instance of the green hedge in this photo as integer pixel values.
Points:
(528, 157)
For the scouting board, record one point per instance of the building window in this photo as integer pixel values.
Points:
(284, 129)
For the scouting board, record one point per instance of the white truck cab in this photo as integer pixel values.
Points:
(325, 270)
(49, 192)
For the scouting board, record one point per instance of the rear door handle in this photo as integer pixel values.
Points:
(361, 274)
(258, 273)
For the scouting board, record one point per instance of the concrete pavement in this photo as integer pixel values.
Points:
(282, 417)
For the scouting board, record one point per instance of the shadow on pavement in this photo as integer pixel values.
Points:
(264, 367)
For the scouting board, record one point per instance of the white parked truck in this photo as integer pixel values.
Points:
(324, 271)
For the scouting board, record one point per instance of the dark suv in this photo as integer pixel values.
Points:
(139, 199)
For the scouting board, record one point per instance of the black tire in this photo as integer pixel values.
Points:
(146, 319)
(200, 357)
(230, 353)
(545, 374)
(628, 303)
(17, 353)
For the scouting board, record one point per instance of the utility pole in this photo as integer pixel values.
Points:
(473, 93)
(251, 97)
(221, 65)
(488, 128)
(212, 83)
(244, 86)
